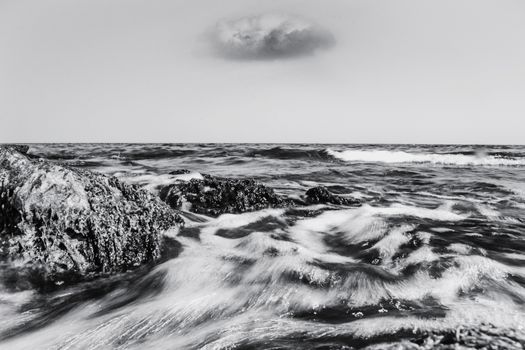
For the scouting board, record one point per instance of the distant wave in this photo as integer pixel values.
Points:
(114, 151)
(290, 153)
(379, 156)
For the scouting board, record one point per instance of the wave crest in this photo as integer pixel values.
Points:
(379, 156)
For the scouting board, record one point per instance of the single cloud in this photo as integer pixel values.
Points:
(269, 36)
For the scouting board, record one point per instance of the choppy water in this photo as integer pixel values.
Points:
(438, 245)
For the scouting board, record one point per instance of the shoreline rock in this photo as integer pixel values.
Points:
(19, 147)
(60, 220)
(214, 196)
(321, 195)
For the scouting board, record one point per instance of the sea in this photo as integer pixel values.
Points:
(433, 257)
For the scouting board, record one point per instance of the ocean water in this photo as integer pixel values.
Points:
(437, 247)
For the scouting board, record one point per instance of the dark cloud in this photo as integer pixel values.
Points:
(269, 36)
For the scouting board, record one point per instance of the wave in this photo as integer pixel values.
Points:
(279, 283)
(280, 280)
(380, 156)
(153, 182)
(123, 152)
(290, 153)
(430, 251)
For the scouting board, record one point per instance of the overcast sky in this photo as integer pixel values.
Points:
(404, 71)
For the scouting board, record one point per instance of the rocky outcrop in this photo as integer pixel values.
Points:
(486, 336)
(18, 147)
(59, 219)
(214, 196)
(321, 195)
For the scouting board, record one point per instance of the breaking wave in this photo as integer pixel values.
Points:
(349, 273)
(433, 258)
(380, 156)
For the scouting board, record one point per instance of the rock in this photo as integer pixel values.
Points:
(58, 219)
(18, 147)
(215, 196)
(321, 195)
(469, 338)
(180, 172)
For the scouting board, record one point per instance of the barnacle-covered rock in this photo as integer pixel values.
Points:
(214, 195)
(321, 195)
(58, 219)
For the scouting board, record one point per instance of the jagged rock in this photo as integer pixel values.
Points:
(214, 196)
(321, 195)
(18, 147)
(59, 219)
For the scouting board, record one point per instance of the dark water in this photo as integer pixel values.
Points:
(437, 246)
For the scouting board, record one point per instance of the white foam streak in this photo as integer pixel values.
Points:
(443, 213)
(222, 291)
(152, 182)
(377, 156)
(389, 245)
(231, 221)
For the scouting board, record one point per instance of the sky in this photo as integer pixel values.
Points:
(404, 71)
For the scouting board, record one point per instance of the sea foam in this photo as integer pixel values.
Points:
(381, 156)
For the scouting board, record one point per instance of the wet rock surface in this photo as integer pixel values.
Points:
(484, 337)
(214, 196)
(18, 147)
(321, 195)
(60, 220)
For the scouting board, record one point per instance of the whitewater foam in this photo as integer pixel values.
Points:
(443, 257)
(221, 292)
(379, 156)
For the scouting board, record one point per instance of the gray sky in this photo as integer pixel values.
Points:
(404, 71)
